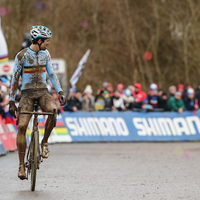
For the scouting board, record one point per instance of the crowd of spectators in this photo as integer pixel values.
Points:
(178, 98)
(119, 98)
(4, 94)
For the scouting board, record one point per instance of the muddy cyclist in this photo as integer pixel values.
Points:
(32, 64)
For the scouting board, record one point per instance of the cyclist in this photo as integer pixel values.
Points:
(31, 64)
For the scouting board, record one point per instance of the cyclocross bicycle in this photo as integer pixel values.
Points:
(33, 156)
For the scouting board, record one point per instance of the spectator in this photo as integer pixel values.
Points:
(88, 99)
(163, 104)
(189, 101)
(176, 103)
(105, 84)
(110, 89)
(146, 106)
(4, 100)
(172, 91)
(79, 95)
(128, 99)
(5, 94)
(187, 86)
(100, 101)
(120, 89)
(27, 40)
(73, 104)
(117, 102)
(4, 81)
(138, 95)
(131, 88)
(153, 98)
(198, 88)
(108, 93)
(197, 91)
(160, 92)
(180, 88)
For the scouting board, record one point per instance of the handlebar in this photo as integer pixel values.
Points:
(37, 113)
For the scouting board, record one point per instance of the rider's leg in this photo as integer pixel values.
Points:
(47, 104)
(21, 136)
(25, 104)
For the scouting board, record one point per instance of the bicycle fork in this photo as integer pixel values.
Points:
(29, 159)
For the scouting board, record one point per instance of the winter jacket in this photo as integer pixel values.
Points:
(72, 102)
(100, 102)
(175, 104)
(117, 102)
(155, 101)
(189, 103)
(139, 95)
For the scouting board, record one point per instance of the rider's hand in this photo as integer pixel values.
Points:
(62, 98)
(12, 108)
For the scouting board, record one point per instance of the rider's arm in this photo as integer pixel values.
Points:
(15, 78)
(53, 78)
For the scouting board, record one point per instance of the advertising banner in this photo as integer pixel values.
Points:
(59, 133)
(59, 66)
(132, 126)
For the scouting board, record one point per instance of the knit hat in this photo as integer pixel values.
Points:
(181, 86)
(88, 89)
(153, 86)
(109, 85)
(120, 85)
(190, 91)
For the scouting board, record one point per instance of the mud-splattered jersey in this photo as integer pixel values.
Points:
(32, 66)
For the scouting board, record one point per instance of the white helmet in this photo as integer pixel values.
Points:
(40, 32)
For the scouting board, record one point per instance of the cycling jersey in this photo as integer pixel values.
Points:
(32, 67)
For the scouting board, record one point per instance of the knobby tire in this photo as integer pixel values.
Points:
(34, 161)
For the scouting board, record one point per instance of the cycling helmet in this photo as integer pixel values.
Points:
(153, 86)
(40, 32)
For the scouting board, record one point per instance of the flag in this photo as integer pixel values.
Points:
(79, 69)
(3, 45)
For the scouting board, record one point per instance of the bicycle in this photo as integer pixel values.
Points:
(33, 156)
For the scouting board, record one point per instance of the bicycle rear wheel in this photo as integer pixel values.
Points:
(34, 161)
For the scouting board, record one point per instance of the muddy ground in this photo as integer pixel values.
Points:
(153, 171)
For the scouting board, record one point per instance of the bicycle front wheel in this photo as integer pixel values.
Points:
(34, 161)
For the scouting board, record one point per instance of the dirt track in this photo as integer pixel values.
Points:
(153, 171)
